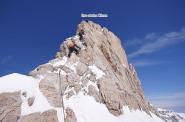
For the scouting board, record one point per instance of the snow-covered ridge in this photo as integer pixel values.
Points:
(93, 85)
(29, 85)
(88, 110)
(99, 73)
(85, 107)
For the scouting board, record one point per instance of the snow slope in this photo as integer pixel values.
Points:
(17, 82)
(85, 107)
(99, 73)
(88, 110)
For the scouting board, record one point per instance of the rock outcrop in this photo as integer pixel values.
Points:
(99, 70)
(10, 107)
(31, 101)
(70, 116)
(120, 85)
(49, 86)
(47, 116)
(117, 87)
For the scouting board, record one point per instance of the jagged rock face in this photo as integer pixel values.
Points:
(93, 92)
(104, 50)
(100, 70)
(47, 116)
(10, 107)
(96, 36)
(49, 86)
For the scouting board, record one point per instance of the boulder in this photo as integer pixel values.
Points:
(47, 116)
(10, 107)
(33, 117)
(49, 86)
(31, 101)
(70, 115)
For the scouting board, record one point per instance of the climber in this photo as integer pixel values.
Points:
(72, 47)
(81, 37)
(81, 33)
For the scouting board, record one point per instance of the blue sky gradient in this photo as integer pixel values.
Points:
(152, 33)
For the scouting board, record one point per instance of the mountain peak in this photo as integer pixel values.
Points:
(95, 50)
(89, 80)
(97, 38)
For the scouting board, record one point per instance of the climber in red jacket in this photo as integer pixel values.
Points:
(72, 47)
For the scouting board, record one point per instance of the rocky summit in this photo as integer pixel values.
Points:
(91, 82)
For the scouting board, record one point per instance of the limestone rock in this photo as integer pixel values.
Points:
(81, 68)
(93, 92)
(84, 81)
(66, 69)
(70, 115)
(62, 84)
(47, 116)
(77, 87)
(42, 70)
(34, 117)
(31, 101)
(88, 59)
(111, 96)
(104, 50)
(92, 77)
(49, 86)
(69, 94)
(73, 77)
(10, 107)
(118, 86)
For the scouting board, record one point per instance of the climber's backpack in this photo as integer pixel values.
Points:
(70, 44)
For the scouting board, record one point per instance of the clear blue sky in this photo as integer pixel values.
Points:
(152, 32)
